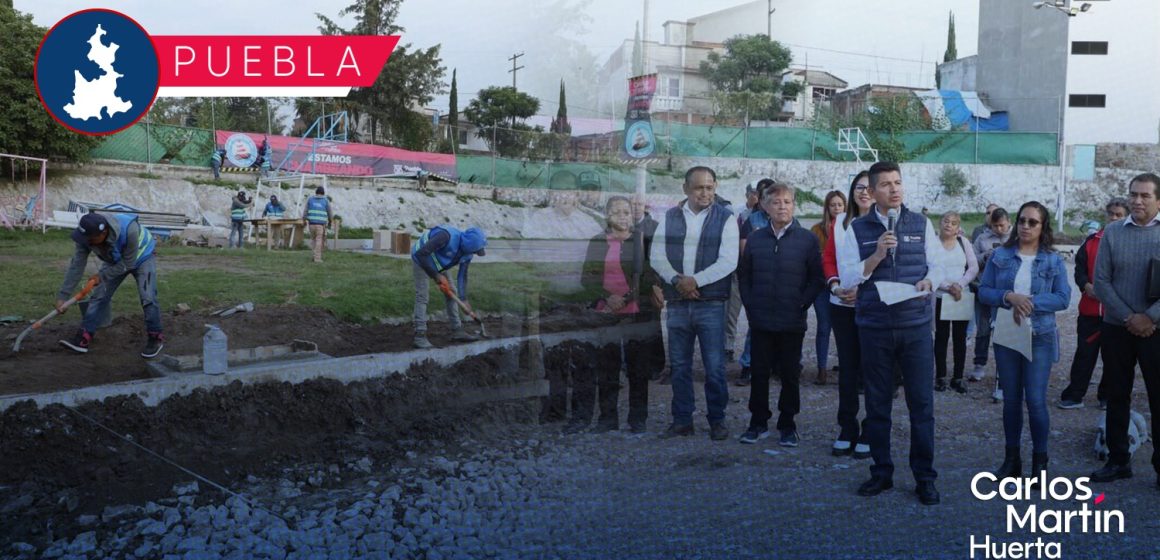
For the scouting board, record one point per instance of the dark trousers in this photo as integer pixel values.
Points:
(943, 332)
(1122, 350)
(1087, 351)
(911, 349)
(778, 353)
(850, 376)
(595, 373)
(982, 333)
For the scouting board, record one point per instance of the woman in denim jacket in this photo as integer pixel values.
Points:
(1028, 277)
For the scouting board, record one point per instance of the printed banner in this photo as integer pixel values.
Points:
(328, 157)
(639, 141)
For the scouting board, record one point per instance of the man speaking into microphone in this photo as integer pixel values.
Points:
(893, 244)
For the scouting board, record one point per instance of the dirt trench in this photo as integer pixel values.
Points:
(56, 463)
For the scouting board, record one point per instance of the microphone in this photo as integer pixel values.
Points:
(891, 219)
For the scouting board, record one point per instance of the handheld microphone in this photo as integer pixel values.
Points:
(891, 219)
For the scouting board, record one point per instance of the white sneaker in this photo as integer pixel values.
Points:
(997, 396)
(862, 451)
(976, 374)
(841, 448)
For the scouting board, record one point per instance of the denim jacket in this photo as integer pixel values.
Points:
(1050, 291)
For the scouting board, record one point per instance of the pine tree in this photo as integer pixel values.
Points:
(952, 52)
(560, 125)
(453, 105)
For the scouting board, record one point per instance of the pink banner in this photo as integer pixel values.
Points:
(326, 157)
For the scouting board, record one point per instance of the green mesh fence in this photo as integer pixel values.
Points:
(177, 145)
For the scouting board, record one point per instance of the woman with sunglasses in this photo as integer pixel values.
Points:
(1027, 276)
(842, 320)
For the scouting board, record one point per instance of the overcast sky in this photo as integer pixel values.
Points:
(892, 42)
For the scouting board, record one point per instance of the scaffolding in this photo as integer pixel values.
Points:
(327, 129)
(852, 140)
(26, 211)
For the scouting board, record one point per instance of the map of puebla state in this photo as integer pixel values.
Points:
(90, 97)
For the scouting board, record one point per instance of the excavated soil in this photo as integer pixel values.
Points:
(43, 365)
(71, 465)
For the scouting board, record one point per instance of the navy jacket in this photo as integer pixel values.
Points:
(908, 266)
(780, 278)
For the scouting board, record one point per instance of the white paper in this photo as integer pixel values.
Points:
(1015, 337)
(894, 292)
(962, 310)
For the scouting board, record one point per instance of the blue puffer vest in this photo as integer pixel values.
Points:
(707, 248)
(449, 255)
(907, 267)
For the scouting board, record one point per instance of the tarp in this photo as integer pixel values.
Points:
(954, 110)
(331, 158)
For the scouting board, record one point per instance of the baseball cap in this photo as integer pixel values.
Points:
(91, 225)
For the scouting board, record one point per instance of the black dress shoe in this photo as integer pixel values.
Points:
(927, 493)
(1112, 471)
(875, 486)
(677, 430)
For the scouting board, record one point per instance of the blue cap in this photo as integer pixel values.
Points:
(91, 225)
(473, 241)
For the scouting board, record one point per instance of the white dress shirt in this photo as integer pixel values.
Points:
(694, 224)
(851, 265)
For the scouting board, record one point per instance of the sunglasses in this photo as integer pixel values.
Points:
(860, 187)
(1029, 222)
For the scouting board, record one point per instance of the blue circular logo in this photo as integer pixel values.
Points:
(638, 140)
(97, 72)
(241, 150)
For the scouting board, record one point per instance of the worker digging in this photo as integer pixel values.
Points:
(126, 249)
(438, 250)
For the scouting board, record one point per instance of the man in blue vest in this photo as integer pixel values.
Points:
(215, 162)
(695, 253)
(125, 248)
(275, 210)
(318, 215)
(441, 248)
(893, 244)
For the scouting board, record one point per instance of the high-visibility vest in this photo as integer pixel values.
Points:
(145, 242)
(274, 211)
(317, 208)
(237, 214)
(449, 255)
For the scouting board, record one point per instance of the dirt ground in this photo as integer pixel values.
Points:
(43, 365)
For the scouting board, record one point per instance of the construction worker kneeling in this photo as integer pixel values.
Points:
(439, 249)
(125, 247)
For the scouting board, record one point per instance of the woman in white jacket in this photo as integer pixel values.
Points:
(958, 260)
(842, 297)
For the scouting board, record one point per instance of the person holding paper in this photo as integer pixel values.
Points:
(958, 260)
(1128, 334)
(1028, 278)
(893, 244)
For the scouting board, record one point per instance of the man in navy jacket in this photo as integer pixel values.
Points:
(779, 276)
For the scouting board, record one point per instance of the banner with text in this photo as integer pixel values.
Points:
(327, 157)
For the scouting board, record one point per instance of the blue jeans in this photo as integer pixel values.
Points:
(236, 228)
(101, 307)
(1024, 380)
(822, 339)
(704, 322)
(912, 349)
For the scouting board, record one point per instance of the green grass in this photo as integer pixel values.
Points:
(355, 287)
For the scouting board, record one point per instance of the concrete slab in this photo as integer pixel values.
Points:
(345, 369)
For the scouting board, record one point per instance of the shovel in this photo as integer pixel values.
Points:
(239, 308)
(451, 294)
(92, 283)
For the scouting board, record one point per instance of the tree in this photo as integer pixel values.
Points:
(747, 78)
(637, 55)
(951, 53)
(25, 127)
(411, 77)
(560, 123)
(453, 105)
(496, 107)
(884, 122)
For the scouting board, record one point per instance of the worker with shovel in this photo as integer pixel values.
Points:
(439, 249)
(125, 248)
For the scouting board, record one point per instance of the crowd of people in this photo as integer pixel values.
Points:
(897, 293)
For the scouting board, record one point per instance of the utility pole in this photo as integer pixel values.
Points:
(514, 68)
(769, 19)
